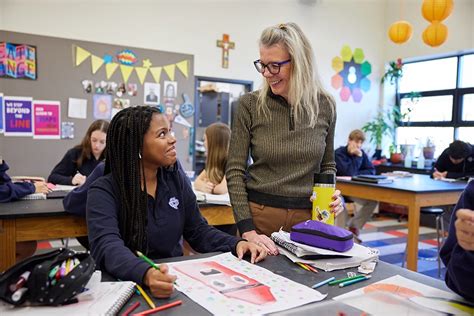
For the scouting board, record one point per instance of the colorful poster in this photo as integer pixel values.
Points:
(47, 115)
(18, 116)
(1, 112)
(102, 106)
(17, 61)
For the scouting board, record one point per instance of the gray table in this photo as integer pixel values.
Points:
(282, 266)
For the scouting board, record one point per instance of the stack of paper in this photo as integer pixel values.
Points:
(219, 199)
(323, 259)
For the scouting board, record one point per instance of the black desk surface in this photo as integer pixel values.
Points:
(282, 266)
(418, 183)
(30, 208)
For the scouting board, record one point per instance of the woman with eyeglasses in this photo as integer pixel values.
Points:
(287, 128)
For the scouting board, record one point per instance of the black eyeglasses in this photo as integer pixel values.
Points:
(273, 68)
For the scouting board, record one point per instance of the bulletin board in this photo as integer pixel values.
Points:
(68, 68)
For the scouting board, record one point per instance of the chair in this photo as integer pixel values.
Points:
(438, 213)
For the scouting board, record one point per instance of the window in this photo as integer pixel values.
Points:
(436, 99)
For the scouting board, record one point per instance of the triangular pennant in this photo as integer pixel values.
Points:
(183, 67)
(156, 73)
(141, 73)
(81, 55)
(110, 69)
(126, 72)
(96, 62)
(170, 71)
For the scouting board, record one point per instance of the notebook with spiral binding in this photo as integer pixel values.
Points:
(107, 299)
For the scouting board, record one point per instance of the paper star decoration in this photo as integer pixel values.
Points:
(147, 63)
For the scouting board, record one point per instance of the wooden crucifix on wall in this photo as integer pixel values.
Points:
(225, 44)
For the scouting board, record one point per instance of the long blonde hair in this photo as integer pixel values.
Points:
(305, 86)
(218, 139)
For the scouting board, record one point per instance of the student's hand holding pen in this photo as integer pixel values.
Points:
(78, 179)
(41, 187)
(160, 281)
(465, 229)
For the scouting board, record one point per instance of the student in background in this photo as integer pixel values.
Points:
(12, 191)
(287, 128)
(212, 178)
(79, 161)
(145, 202)
(456, 161)
(458, 250)
(351, 160)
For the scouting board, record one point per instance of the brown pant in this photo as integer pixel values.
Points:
(269, 219)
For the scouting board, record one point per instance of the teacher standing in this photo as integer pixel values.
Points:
(287, 128)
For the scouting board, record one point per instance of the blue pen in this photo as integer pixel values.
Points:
(323, 283)
(354, 281)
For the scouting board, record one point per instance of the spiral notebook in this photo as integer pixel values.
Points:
(107, 299)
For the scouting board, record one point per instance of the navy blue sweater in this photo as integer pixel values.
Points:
(459, 262)
(10, 191)
(75, 201)
(172, 215)
(67, 168)
(351, 165)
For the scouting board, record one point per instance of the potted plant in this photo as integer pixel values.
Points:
(376, 129)
(394, 71)
(429, 149)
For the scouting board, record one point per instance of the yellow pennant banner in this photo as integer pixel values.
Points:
(170, 71)
(110, 69)
(183, 67)
(96, 63)
(126, 72)
(141, 73)
(156, 73)
(81, 55)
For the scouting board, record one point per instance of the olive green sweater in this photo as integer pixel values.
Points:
(285, 156)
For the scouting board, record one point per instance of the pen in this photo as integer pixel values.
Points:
(354, 281)
(146, 297)
(323, 283)
(160, 308)
(131, 309)
(20, 282)
(346, 279)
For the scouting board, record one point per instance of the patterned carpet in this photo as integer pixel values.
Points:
(382, 232)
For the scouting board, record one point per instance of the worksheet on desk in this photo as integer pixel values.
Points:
(224, 285)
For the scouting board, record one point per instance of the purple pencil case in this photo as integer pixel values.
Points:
(322, 235)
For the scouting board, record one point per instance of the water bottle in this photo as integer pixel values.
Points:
(323, 190)
(421, 162)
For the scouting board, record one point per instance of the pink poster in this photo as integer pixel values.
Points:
(47, 116)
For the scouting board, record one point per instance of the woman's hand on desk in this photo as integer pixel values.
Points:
(261, 240)
(78, 179)
(41, 187)
(160, 281)
(257, 253)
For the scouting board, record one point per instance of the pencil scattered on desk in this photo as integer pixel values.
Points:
(160, 308)
(146, 297)
(323, 283)
(343, 284)
(131, 309)
(334, 282)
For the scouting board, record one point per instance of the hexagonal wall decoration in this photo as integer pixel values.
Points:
(351, 74)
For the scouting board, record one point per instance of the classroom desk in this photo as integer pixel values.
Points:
(46, 219)
(282, 266)
(413, 192)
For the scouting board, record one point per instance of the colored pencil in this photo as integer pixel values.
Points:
(354, 281)
(131, 309)
(148, 260)
(146, 297)
(311, 268)
(346, 279)
(323, 283)
(160, 308)
(303, 266)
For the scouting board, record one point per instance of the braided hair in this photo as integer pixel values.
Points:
(124, 149)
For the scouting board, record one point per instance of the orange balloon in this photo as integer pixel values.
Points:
(436, 10)
(400, 32)
(435, 34)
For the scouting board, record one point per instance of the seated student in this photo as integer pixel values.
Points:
(351, 160)
(456, 161)
(80, 160)
(458, 250)
(145, 202)
(11, 191)
(212, 178)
